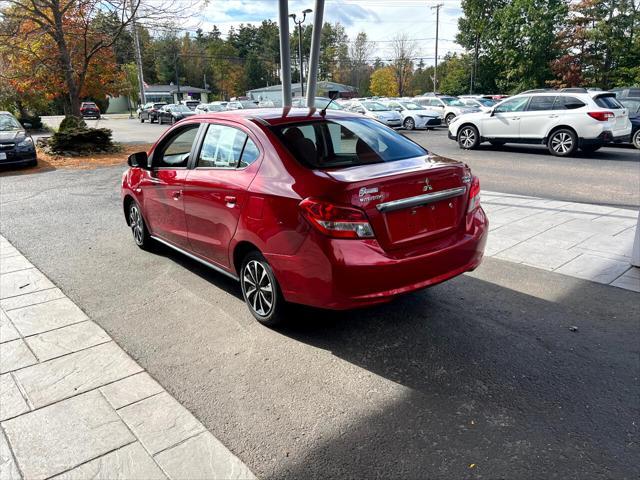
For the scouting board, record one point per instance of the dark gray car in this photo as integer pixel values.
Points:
(16, 145)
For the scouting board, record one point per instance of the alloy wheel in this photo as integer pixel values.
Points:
(136, 223)
(409, 124)
(258, 288)
(561, 142)
(636, 139)
(467, 137)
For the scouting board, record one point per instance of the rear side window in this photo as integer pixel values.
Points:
(345, 143)
(226, 147)
(544, 102)
(512, 105)
(222, 147)
(567, 103)
(607, 102)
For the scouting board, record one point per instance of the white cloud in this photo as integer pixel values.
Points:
(380, 19)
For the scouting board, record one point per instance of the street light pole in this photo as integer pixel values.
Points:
(435, 68)
(300, 58)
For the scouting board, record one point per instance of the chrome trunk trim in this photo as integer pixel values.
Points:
(420, 199)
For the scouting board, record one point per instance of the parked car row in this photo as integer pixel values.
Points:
(563, 120)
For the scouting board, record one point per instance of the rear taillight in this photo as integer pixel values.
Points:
(336, 221)
(601, 116)
(474, 194)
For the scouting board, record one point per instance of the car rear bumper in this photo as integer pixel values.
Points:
(604, 138)
(346, 274)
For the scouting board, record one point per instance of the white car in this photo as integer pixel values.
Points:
(484, 104)
(562, 120)
(377, 111)
(449, 107)
(414, 115)
(210, 107)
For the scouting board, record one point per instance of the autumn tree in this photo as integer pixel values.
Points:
(383, 82)
(77, 42)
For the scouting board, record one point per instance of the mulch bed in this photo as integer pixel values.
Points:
(48, 162)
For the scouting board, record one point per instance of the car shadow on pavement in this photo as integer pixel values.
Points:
(228, 285)
(488, 382)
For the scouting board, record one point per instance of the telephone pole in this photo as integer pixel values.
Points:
(136, 44)
(435, 68)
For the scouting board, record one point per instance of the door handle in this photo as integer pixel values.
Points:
(515, 118)
(177, 194)
(230, 200)
(553, 116)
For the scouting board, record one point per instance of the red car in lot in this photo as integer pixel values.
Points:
(328, 209)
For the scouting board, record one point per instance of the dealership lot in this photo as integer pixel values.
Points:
(484, 370)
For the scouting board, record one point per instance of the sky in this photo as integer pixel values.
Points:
(382, 20)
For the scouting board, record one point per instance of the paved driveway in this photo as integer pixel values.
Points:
(478, 377)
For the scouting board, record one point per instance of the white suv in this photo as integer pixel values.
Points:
(561, 120)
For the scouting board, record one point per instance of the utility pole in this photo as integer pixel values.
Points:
(300, 57)
(435, 68)
(136, 43)
(175, 68)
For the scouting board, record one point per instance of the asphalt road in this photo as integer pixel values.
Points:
(479, 377)
(610, 176)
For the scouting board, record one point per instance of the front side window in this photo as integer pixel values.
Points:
(375, 107)
(175, 153)
(543, 102)
(512, 105)
(342, 143)
(452, 101)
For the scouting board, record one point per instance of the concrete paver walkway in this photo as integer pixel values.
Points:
(74, 405)
(592, 242)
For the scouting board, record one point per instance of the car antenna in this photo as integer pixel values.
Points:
(324, 110)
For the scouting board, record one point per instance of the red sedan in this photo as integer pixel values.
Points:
(328, 209)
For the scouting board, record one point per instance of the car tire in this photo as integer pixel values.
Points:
(468, 137)
(160, 120)
(590, 148)
(173, 120)
(261, 291)
(98, 117)
(141, 120)
(409, 123)
(562, 142)
(139, 227)
(636, 139)
(449, 118)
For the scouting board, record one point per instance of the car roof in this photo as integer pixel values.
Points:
(278, 116)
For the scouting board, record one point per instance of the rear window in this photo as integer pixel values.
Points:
(343, 143)
(606, 101)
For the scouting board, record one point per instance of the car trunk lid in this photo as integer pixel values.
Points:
(407, 201)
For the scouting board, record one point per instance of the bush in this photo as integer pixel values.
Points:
(82, 141)
(71, 123)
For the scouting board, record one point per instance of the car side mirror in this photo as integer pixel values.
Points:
(492, 111)
(139, 159)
